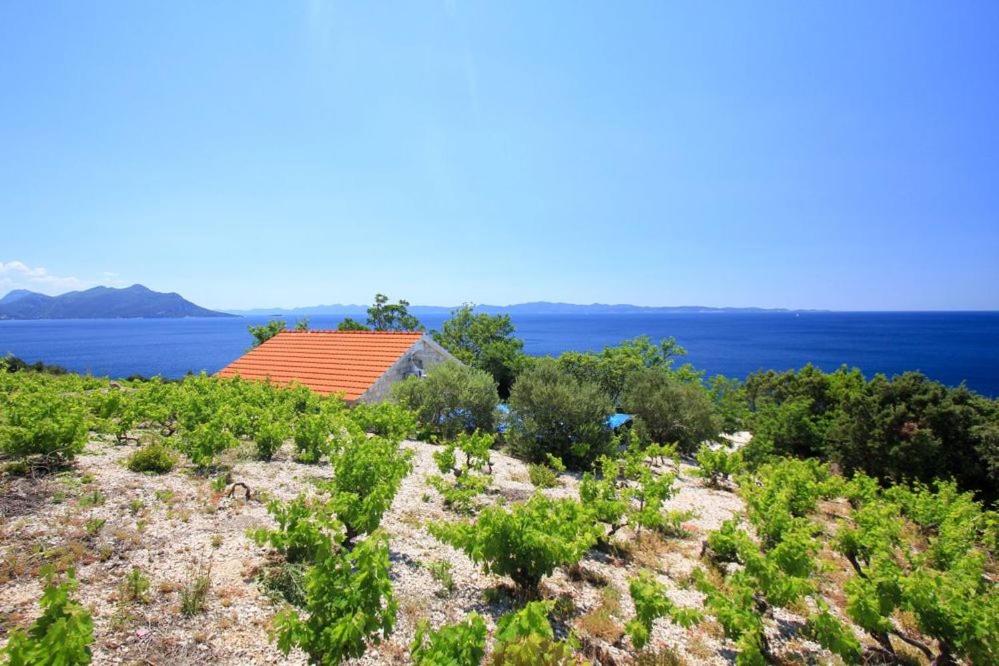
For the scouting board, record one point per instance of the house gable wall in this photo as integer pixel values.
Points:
(421, 357)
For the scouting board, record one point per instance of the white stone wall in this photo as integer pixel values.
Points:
(423, 355)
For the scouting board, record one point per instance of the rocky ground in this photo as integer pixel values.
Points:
(105, 521)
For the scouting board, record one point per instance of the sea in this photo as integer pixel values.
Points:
(952, 347)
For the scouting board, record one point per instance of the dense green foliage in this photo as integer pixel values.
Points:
(451, 399)
(61, 636)
(265, 332)
(553, 412)
(908, 428)
(485, 342)
(670, 409)
(612, 368)
(385, 316)
(918, 551)
(460, 644)
(527, 541)
(39, 422)
(154, 458)
(525, 638)
(348, 602)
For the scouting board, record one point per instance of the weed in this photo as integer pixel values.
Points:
(91, 499)
(135, 587)
(194, 595)
(216, 540)
(440, 570)
(94, 525)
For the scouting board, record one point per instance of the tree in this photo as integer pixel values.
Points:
(302, 324)
(554, 412)
(452, 398)
(483, 341)
(613, 366)
(385, 316)
(668, 409)
(349, 324)
(265, 332)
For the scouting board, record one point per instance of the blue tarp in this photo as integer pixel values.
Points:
(614, 421)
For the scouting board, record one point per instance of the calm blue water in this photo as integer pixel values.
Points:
(950, 347)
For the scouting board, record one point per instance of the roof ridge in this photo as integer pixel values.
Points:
(333, 330)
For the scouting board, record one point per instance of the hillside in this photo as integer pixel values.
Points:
(533, 308)
(132, 302)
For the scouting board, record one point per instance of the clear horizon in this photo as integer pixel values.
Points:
(776, 156)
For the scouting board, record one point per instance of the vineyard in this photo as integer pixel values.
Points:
(224, 521)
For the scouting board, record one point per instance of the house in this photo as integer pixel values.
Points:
(360, 365)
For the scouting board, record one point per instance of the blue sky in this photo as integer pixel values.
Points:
(791, 154)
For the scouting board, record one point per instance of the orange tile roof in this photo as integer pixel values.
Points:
(346, 362)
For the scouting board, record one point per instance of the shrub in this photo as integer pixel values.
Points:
(270, 434)
(475, 448)
(367, 472)
(459, 493)
(542, 476)
(206, 441)
(312, 437)
(153, 458)
(62, 635)
(386, 419)
(40, 421)
(451, 399)
(526, 637)
(348, 601)
(525, 542)
(668, 409)
(545, 476)
(717, 465)
(461, 644)
(553, 412)
(651, 603)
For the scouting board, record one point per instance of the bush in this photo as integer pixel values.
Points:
(207, 441)
(651, 603)
(552, 412)
(312, 437)
(461, 644)
(545, 476)
(717, 465)
(526, 637)
(525, 542)
(668, 409)
(452, 398)
(386, 419)
(40, 421)
(348, 601)
(367, 472)
(153, 458)
(62, 635)
(270, 435)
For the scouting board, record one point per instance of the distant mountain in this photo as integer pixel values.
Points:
(534, 308)
(101, 303)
